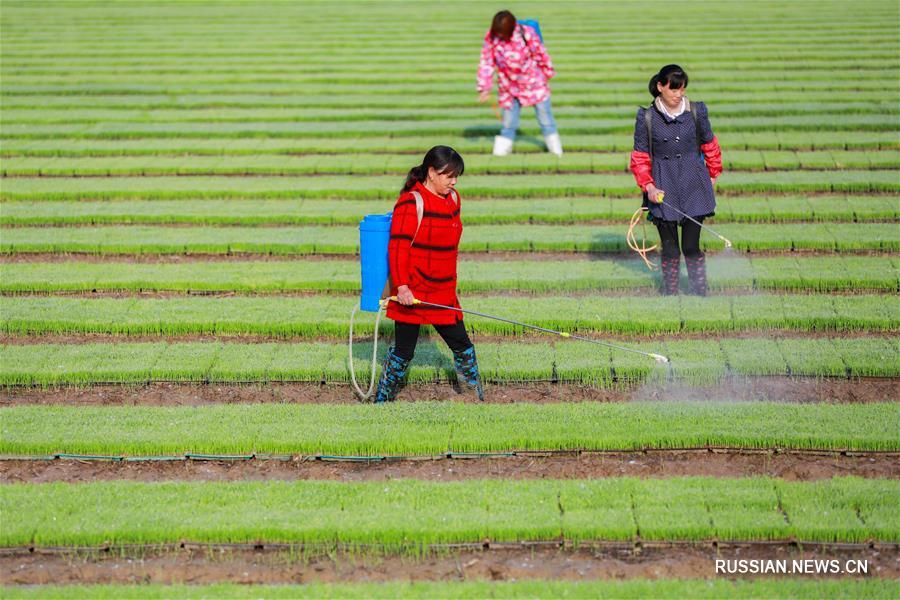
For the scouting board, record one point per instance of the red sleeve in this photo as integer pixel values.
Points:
(713, 154)
(404, 223)
(641, 167)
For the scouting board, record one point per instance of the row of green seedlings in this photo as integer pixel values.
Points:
(851, 273)
(758, 106)
(763, 53)
(737, 209)
(404, 512)
(631, 589)
(578, 72)
(418, 429)
(327, 316)
(796, 141)
(427, 83)
(304, 240)
(386, 187)
(692, 361)
(321, 39)
(312, 164)
(486, 126)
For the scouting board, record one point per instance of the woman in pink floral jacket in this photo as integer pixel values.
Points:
(523, 69)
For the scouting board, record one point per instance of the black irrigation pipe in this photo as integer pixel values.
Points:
(634, 546)
(337, 458)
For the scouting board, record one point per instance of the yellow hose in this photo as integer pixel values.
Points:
(642, 249)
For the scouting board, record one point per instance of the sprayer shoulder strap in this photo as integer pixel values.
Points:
(648, 121)
(420, 208)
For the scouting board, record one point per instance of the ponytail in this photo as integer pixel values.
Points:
(416, 175)
(442, 159)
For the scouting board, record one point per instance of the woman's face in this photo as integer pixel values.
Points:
(669, 96)
(441, 182)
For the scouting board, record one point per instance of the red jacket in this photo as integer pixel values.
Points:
(425, 260)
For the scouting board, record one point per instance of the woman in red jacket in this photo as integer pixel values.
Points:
(422, 253)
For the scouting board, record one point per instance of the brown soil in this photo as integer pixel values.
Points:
(782, 389)
(614, 562)
(583, 293)
(526, 337)
(59, 257)
(793, 466)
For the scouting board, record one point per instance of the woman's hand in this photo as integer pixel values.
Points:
(713, 180)
(405, 296)
(484, 96)
(654, 194)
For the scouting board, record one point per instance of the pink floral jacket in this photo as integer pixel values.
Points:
(523, 68)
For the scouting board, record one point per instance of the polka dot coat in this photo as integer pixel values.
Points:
(678, 166)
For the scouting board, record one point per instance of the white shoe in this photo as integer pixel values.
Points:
(502, 145)
(554, 144)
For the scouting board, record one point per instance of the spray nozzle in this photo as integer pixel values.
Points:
(727, 242)
(659, 358)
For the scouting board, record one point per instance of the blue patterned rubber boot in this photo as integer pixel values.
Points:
(696, 268)
(467, 369)
(393, 370)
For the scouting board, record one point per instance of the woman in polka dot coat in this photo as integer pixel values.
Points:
(682, 168)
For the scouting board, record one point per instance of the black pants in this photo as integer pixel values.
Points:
(406, 335)
(690, 238)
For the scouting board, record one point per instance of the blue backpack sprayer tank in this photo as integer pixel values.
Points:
(374, 235)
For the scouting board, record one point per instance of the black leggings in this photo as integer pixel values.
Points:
(690, 238)
(407, 334)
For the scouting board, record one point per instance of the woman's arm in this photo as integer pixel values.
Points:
(539, 52)
(709, 143)
(641, 164)
(404, 223)
(486, 66)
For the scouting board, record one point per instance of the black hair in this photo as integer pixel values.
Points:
(442, 159)
(670, 75)
(503, 25)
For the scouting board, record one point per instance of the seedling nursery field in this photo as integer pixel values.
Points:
(180, 189)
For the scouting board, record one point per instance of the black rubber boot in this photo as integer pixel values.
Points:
(467, 370)
(393, 371)
(670, 268)
(696, 268)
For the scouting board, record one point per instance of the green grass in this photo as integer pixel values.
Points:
(328, 315)
(739, 209)
(147, 239)
(634, 588)
(417, 513)
(693, 361)
(790, 274)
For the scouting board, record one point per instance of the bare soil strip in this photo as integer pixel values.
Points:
(247, 566)
(526, 337)
(151, 293)
(58, 257)
(792, 466)
(238, 223)
(750, 389)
